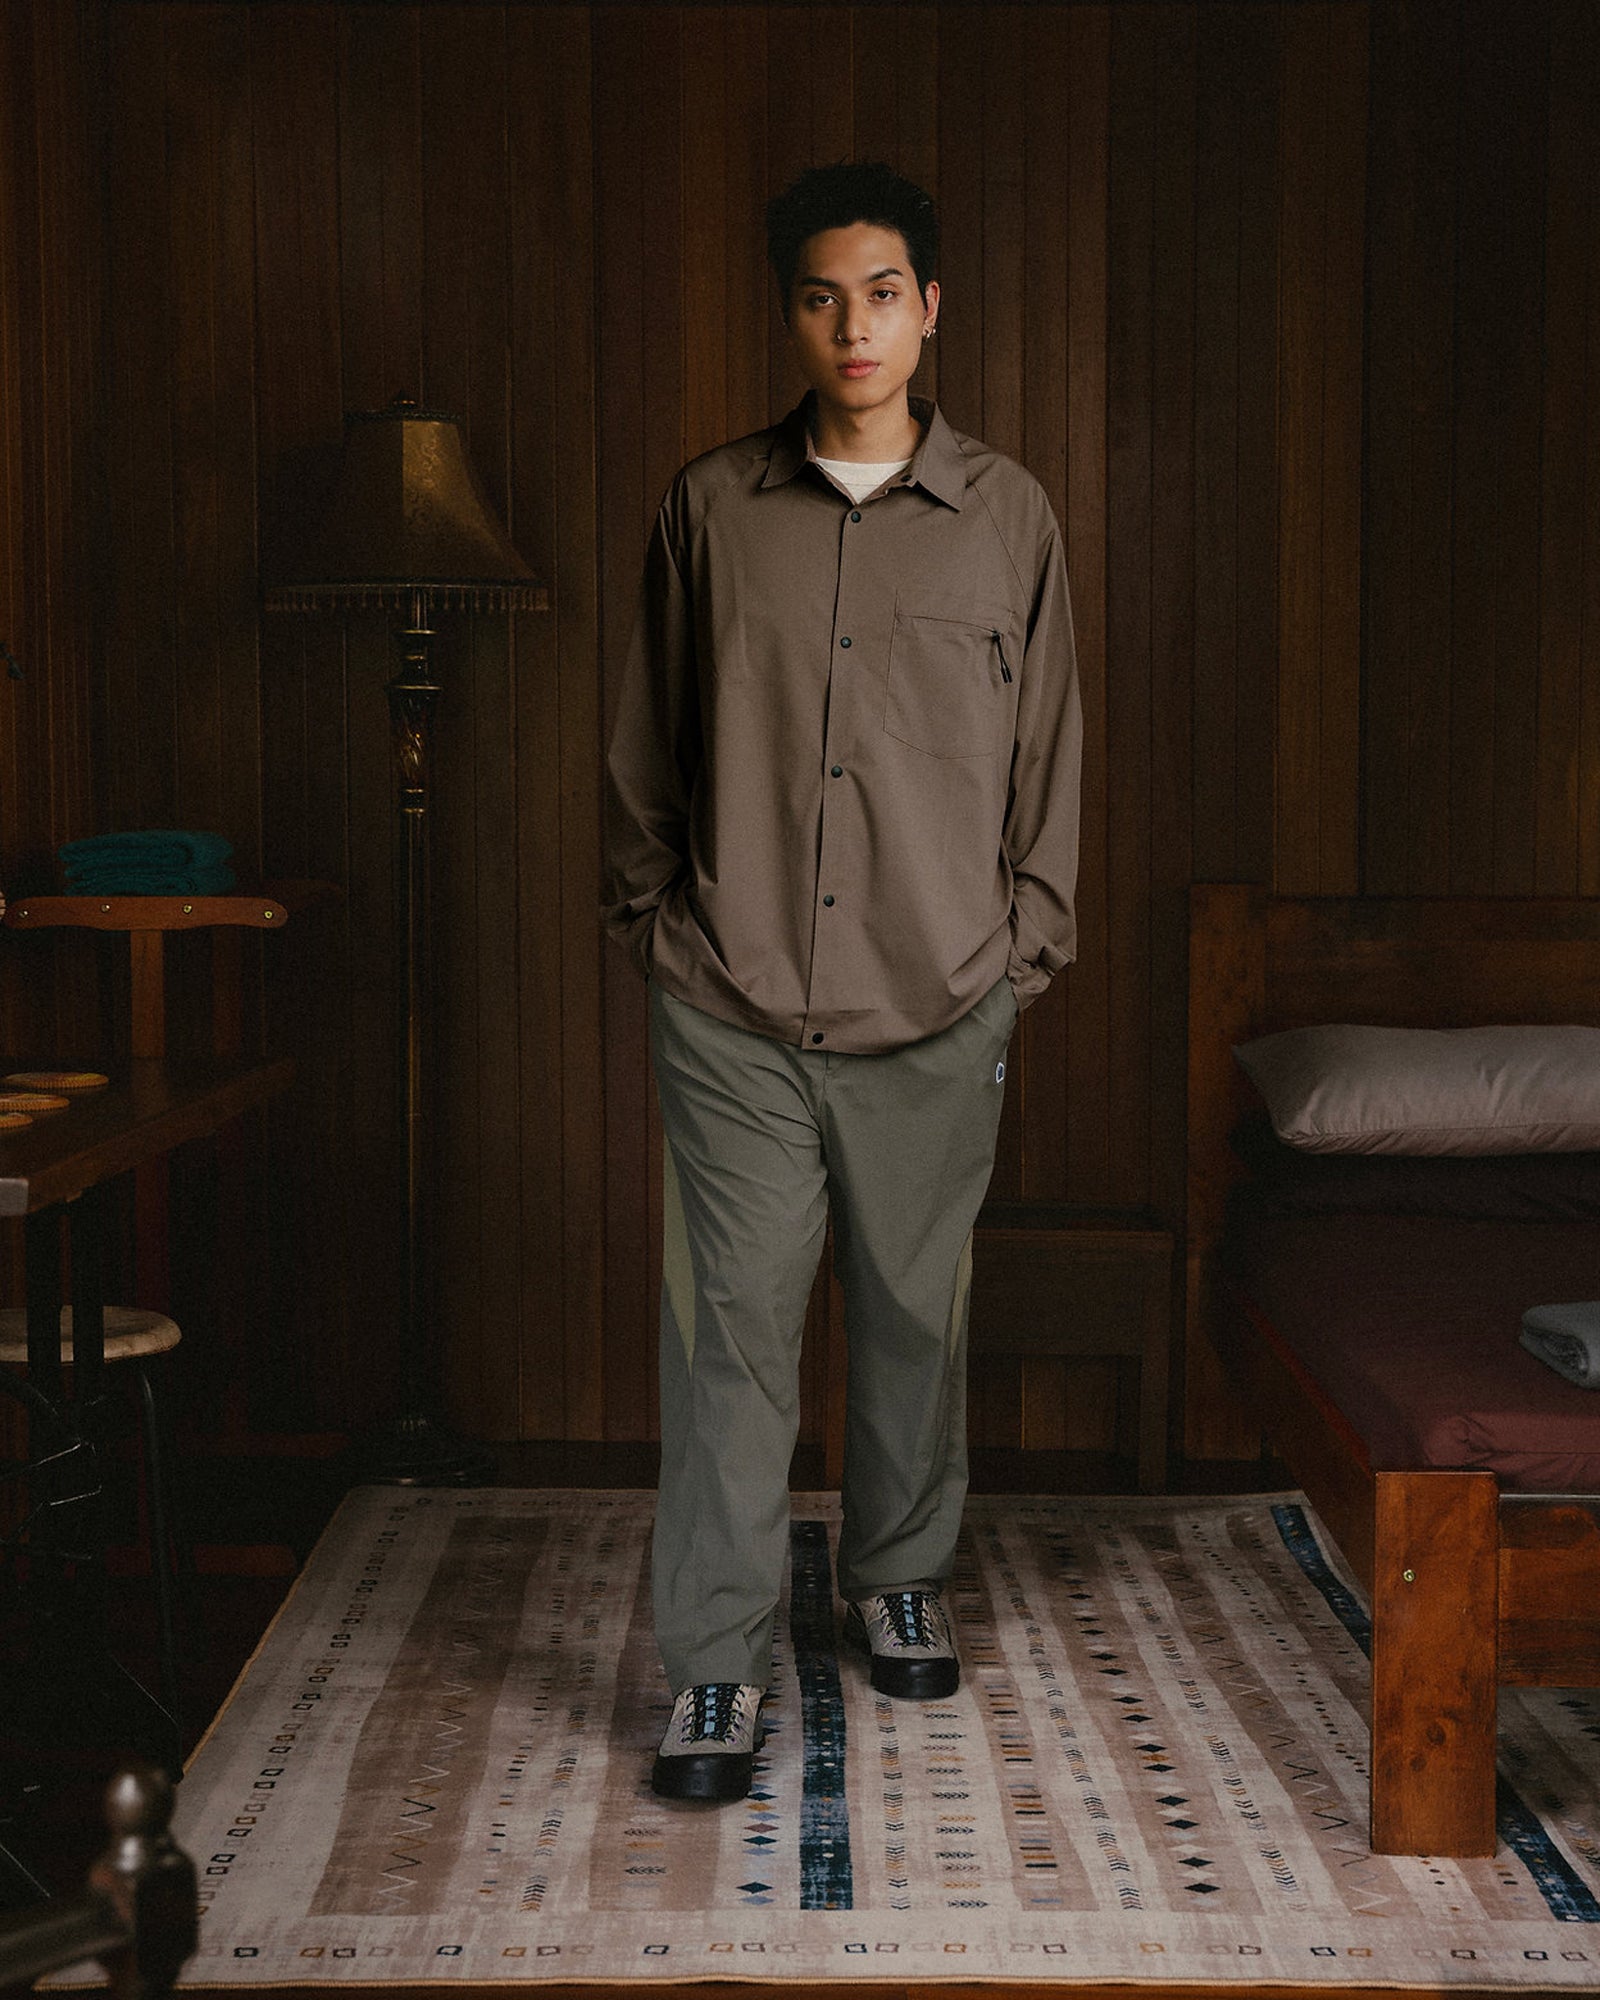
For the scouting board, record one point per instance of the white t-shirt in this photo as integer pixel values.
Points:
(858, 479)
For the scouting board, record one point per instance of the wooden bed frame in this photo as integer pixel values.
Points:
(1470, 1589)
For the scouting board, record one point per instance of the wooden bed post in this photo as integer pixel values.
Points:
(1435, 1634)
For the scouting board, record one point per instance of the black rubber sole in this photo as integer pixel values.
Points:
(916, 1680)
(710, 1779)
(903, 1680)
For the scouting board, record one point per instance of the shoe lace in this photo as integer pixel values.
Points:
(714, 1710)
(908, 1611)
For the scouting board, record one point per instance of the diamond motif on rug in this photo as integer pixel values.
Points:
(437, 1769)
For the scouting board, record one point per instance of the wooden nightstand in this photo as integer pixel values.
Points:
(1089, 1284)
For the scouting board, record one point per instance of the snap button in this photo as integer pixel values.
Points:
(816, 1038)
(837, 771)
(855, 513)
(827, 902)
(844, 642)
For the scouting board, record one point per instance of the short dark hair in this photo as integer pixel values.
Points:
(848, 191)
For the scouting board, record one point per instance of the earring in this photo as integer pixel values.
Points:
(927, 333)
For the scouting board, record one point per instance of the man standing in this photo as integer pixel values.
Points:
(841, 843)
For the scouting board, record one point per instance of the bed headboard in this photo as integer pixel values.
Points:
(1259, 962)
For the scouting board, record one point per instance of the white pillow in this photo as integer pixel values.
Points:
(1430, 1090)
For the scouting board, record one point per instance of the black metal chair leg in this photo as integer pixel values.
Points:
(161, 1544)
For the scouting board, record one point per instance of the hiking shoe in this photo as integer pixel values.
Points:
(908, 1636)
(709, 1749)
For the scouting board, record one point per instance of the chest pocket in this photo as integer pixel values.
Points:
(950, 681)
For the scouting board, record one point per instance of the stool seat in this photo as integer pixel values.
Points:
(131, 1334)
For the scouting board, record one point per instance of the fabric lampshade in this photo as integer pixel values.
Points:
(406, 514)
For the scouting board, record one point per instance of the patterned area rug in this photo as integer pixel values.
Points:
(436, 1769)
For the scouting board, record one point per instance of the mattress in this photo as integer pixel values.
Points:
(1409, 1323)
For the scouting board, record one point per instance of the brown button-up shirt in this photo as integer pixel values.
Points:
(843, 794)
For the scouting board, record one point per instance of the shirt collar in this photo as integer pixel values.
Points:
(937, 465)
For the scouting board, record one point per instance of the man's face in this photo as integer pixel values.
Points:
(856, 316)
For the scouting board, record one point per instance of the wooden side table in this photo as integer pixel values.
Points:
(147, 922)
(1085, 1284)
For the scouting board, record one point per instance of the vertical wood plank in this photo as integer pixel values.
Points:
(875, 130)
(1428, 324)
(1085, 523)
(916, 85)
(380, 108)
(1000, 81)
(1172, 634)
(1392, 227)
(750, 312)
(1488, 741)
(465, 339)
(1570, 221)
(1257, 448)
(1319, 415)
(13, 304)
(1130, 398)
(832, 66)
(1344, 232)
(1033, 1163)
(1219, 176)
(1411, 360)
(628, 497)
(141, 636)
(52, 520)
(380, 228)
(550, 299)
(708, 111)
(997, 88)
(304, 716)
(579, 1172)
(1518, 63)
(789, 152)
(1585, 80)
(1300, 409)
(961, 148)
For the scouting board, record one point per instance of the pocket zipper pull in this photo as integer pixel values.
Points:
(1005, 671)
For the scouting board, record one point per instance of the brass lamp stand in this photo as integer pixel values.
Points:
(408, 528)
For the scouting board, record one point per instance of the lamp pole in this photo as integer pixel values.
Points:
(408, 527)
(413, 697)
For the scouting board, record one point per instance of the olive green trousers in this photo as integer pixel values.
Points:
(763, 1142)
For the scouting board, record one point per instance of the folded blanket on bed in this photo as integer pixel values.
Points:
(1567, 1339)
(161, 862)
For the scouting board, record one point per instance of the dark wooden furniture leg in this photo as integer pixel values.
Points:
(75, 1675)
(1435, 1617)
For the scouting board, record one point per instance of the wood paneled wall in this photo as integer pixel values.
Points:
(52, 528)
(1291, 307)
(1481, 727)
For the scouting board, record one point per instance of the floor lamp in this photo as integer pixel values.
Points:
(408, 529)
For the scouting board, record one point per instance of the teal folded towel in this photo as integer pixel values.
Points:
(1567, 1339)
(158, 848)
(153, 882)
(162, 862)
